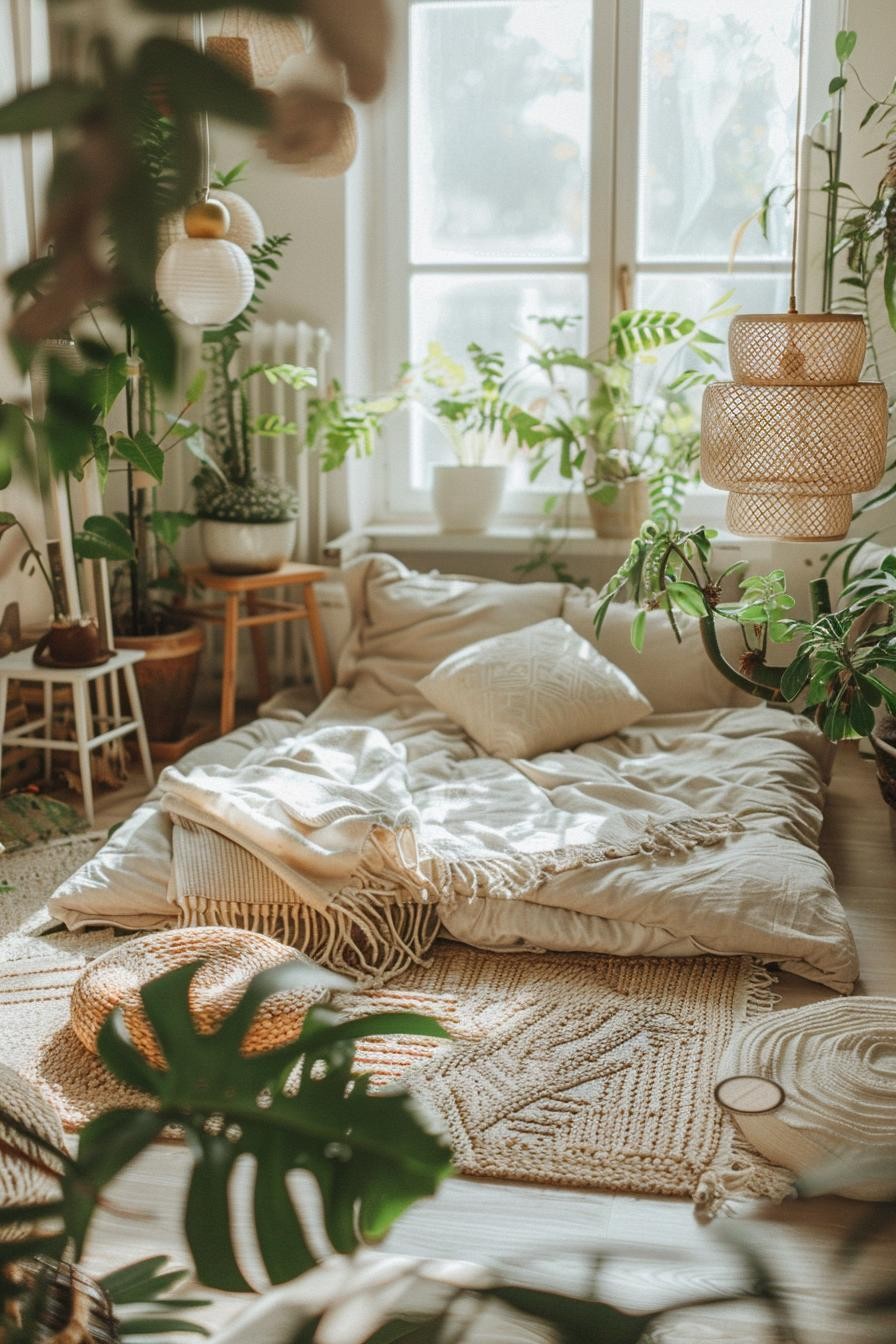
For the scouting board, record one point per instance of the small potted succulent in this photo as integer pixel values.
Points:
(485, 428)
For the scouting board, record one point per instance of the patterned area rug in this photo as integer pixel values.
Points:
(574, 1070)
(582, 1071)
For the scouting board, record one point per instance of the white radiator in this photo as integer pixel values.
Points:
(280, 456)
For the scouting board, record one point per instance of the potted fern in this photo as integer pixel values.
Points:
(474, 408)
(247, 518)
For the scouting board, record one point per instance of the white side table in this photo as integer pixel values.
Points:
(21, 667)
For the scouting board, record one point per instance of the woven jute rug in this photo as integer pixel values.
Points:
(571, 1070)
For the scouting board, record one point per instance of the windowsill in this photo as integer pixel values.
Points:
(506, 539)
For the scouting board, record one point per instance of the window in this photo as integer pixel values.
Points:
(550, 157)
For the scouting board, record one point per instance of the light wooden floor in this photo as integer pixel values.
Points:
(657, 1252)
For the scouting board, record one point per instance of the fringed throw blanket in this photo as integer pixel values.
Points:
(323, 847)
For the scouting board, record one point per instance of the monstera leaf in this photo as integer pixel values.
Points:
(299, 1106)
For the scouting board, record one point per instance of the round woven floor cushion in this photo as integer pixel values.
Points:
(20, 1181)
(836, 1062)
(231, 958)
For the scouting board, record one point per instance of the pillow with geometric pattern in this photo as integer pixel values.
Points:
(541, 688)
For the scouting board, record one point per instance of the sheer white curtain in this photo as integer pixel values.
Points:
(24, 161)
(24, 166)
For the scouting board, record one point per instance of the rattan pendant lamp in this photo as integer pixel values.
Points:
(795, 434)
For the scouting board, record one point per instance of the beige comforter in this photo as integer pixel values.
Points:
(761, 889)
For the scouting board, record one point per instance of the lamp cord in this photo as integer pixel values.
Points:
(797, 157)
(205, 145)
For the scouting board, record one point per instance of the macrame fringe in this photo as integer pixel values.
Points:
(359, 933)
(387, 918)
(739, 1173)
(518, 876)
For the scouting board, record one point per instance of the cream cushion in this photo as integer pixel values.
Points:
(405, 623)
(836, 1064)
(542, 688)
(674, 677)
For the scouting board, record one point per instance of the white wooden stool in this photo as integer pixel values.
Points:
(21, 667)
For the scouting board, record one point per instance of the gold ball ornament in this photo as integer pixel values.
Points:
(245, 229)
(207, 219)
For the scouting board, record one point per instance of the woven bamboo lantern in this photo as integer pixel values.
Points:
(795, 434)
(254, 44)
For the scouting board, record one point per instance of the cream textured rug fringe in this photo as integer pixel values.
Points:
(573, 1070)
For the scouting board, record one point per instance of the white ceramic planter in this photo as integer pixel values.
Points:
(467, 499)
(247, 548)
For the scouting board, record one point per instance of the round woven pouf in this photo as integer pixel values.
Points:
(21, 1182)
(231, 958)
(836, 1063)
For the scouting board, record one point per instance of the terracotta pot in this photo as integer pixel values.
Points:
(247, 548)
(166, 678)
(623, 518)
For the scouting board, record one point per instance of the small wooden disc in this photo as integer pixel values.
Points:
(748, 1094)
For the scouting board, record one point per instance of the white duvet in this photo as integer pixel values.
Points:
(763, 890)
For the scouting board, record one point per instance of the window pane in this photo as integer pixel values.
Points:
(718, 99)
(499, 130)
(497, 312)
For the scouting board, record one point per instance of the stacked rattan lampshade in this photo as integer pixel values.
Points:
(795, 434)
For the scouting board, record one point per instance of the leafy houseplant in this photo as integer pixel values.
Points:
(475, 409)
(630, 435)
(248, 519)
(129, 155)
(298, 1106)
(842, 657)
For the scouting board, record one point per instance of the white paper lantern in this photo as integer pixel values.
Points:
(205, 281)
(246, 228)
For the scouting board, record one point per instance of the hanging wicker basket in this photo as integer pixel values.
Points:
(795, 435)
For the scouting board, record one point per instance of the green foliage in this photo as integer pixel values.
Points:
(31, 553)
(103, 538)
(765, 603)
(297, 1106)
(227, 487)
(13, 439)
(473, 404)
(142, 452)
(340, 425)
(840, 655)
(143, 1305)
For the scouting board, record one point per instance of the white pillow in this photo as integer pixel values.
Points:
(674, 677)
(538, 689)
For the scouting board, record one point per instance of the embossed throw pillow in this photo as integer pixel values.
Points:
(542, 688)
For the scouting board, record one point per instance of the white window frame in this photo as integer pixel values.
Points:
(611, 235)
